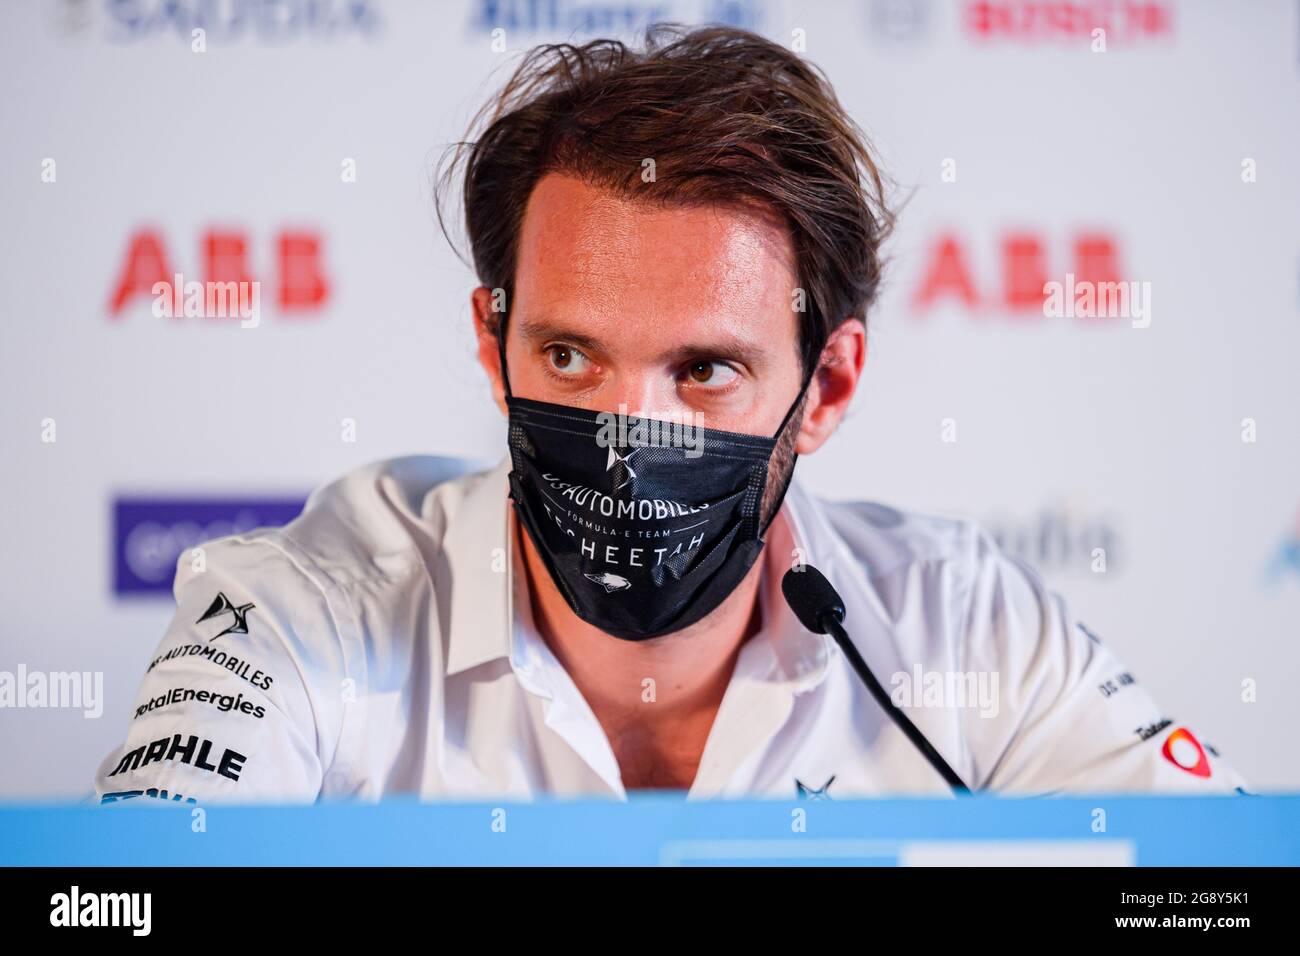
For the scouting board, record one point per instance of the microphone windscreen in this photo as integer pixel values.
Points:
(810, 596)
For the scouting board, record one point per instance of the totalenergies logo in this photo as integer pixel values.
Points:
(1186, 753)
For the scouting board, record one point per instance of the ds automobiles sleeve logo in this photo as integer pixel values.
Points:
(220, 605)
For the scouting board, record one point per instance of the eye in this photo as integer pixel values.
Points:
(566, 360)
(710, 374)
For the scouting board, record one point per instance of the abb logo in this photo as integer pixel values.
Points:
(300, 283)
(948, 278)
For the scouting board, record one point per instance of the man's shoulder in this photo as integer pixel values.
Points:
(380, 520)
(888, 541)
(380, 513)
(389, 486)
(951, 566)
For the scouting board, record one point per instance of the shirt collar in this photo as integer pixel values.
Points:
(477, 571)
(800, 657)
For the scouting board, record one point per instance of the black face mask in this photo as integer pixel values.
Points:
(646, 526)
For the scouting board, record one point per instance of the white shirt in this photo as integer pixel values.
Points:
(381, 644)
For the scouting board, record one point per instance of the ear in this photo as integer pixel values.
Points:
(833, 385)
(489, 355)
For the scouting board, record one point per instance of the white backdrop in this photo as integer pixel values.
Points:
(1178, 146)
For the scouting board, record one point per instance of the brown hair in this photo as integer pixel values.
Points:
(728, 118)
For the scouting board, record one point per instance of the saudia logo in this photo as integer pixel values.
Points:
(267, 21)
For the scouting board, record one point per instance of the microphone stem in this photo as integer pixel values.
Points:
(841, 636)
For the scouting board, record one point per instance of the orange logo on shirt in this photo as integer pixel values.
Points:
(1186, 753)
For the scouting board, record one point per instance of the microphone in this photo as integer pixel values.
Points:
(820, 609)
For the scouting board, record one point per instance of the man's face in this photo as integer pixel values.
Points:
(658, 311)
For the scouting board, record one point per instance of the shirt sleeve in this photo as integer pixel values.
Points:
(1070, 716)
(240, 701)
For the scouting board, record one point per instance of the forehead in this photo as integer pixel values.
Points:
(585, 251)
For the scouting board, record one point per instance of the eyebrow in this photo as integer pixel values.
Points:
(534, 330)
(733, 348)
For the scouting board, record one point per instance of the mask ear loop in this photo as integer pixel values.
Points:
(803, 389)
(798, 400)
(501, 351)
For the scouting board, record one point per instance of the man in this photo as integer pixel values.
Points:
(677, 247)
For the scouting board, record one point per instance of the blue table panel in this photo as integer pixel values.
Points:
(664, 829)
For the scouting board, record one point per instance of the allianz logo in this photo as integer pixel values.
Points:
(590, 17)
